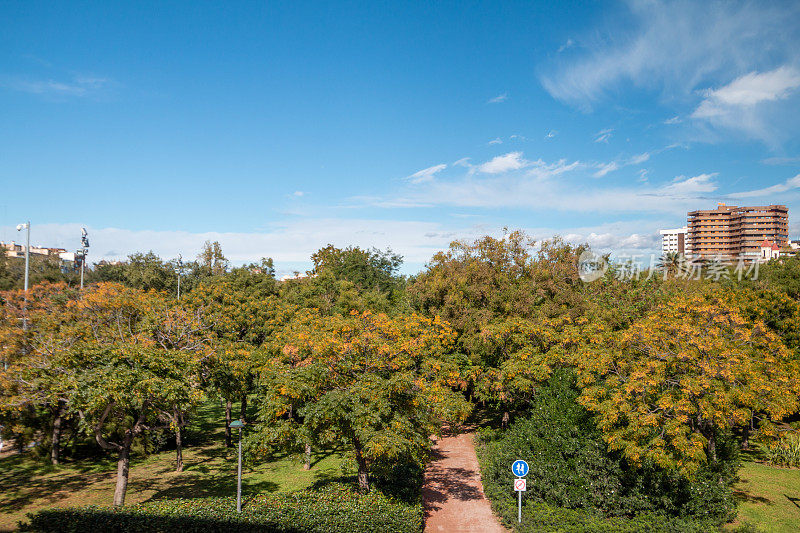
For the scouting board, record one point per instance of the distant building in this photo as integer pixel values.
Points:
(732, 232)
(674, 241)
(769, 250)
(13, 249)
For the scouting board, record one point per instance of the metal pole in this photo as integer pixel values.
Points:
(239, 477)
(27, 258)
(27, 275)
(83, 262)
(519, 511)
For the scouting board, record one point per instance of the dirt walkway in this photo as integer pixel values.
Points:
(453, 493)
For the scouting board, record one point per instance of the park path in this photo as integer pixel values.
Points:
(452, 492)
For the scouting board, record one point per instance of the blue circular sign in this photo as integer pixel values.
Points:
(520, 468)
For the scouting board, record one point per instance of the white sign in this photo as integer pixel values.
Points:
(520, 485)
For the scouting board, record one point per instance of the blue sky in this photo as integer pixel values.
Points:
(276, 128)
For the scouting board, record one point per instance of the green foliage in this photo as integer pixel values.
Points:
(785, 451)
(782, 276)
(332, 509)
(544, 518)
(571, 466)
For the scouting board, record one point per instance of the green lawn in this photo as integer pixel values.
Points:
(210, 470)
(769, 498)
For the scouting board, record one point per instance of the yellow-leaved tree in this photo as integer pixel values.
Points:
(668, 386)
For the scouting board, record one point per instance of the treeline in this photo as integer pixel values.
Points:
(358, 357)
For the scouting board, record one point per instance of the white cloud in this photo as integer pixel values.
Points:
(603, 136)
(298, 194)
(425, 174)
(498, 99)
(551, 134)
(675, 46)
(79, 86)
(569, 44)
(749, 90)
(674, 120)
(496, 140)
(744, 103)
(682, 186)
(790, 184)
(605, 169)
(781, 160)
(504, 163)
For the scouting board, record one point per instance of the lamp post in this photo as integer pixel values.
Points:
(180, 271)
(20, 227)
(239, 424)
(83, 250)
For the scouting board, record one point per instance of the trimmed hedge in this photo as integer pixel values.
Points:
(332, 509)
(576, 484)
(540, 518)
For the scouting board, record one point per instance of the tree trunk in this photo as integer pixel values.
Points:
(307, 462)
(363, 482)
(57, 426)
(746, 438)
(178, 440)
(123, 464)
(228, 441)
(712, 446)
(244, 408)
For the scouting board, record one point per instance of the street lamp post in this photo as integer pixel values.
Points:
(180, 271)
(83, 250)
(239, 424)
(20, 227)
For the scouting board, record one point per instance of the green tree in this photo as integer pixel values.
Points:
(375, 385)
(133, 377)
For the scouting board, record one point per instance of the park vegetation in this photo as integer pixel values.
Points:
(631, 398)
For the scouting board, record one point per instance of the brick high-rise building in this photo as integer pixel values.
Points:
(731, 232)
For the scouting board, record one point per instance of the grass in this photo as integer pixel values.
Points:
(769, 498)
(28, 484)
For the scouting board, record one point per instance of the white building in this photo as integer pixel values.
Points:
(674, 241)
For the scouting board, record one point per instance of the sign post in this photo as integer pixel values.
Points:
(520, 469)
(238, 424)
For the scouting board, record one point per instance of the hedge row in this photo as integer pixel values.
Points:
(332, 509)
(542, 518)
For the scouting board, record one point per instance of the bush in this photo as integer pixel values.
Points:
(335, 508)
(571, 468)
(785, 452)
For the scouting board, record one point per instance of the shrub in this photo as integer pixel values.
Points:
(335, 508)
(572, 468)
(785, 452)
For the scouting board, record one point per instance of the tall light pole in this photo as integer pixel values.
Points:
(20, 227)
(83, 250)
(180, 271)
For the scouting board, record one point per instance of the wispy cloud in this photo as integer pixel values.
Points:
(569, 44)
(551, 134)
(739, 104)
(77, 87)
(781, 160)
(504, 163)
(496, 140)
(674, 120)
(790, 184)
(500, 98)
(425, 174)
(707, 40)
(605, 168)
(603, 136)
